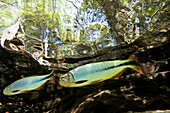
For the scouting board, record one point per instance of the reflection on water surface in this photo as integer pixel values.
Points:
(77, 28)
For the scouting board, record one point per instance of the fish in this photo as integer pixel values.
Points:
(27, 84)
(94, 73)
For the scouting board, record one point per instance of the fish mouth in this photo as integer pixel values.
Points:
(5, 93)
(64, 85)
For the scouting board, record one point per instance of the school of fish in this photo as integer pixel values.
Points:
(84, 75)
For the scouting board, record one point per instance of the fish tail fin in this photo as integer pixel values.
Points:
(136, 67)
(133, 58)
(52, 70)
(52, 77)
(139, 69)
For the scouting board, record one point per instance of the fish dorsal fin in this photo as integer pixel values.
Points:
(22, 76)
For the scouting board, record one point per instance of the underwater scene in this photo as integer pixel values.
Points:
(84, 56)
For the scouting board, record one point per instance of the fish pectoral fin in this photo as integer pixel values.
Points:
(81, 81)
(26, 91)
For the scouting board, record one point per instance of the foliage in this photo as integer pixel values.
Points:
(70, 25)
(137, 18)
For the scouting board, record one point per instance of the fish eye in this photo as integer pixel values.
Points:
(67, 77)
(8, 88)
(69, 74)
(63, 79)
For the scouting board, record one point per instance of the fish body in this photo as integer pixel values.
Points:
(27, 84)
(97, 72)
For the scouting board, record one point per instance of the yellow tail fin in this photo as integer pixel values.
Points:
(53, 78)
(137, 68)
(133, 58)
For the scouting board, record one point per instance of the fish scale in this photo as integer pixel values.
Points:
(95, 69)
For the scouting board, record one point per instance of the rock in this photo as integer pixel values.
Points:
(132, 92)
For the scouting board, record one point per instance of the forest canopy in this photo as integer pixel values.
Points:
(77, 27)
